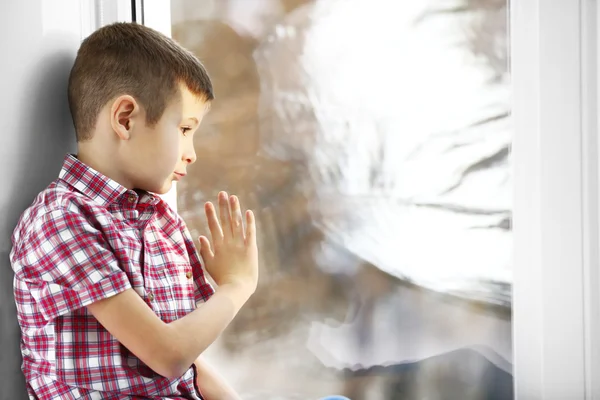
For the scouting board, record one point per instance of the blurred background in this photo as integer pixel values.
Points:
(372, 138)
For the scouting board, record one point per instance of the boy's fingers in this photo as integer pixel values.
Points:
(250, 228)
(205, 250)
(225, 215)
(213, 223)
(236, 214)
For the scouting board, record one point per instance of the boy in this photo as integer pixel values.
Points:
(111, 296)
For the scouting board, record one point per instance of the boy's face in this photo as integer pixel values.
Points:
(159, 155)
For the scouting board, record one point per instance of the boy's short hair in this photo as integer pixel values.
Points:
(128, 58)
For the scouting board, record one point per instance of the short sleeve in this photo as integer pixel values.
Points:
(66, 263)
(202, 288)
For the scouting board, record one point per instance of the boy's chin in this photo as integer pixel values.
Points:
(164, 189)
(159, 189)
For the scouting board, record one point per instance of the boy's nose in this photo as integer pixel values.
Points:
(190, 157)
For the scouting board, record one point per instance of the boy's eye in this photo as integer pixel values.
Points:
(185, 129)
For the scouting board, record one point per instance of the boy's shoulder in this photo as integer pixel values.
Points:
(56, 199)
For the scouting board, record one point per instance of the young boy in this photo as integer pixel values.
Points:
(111, 296)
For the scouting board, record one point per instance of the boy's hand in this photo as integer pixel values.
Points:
(233, 256)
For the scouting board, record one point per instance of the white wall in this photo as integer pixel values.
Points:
(35, 131)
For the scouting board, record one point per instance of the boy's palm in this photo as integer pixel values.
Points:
(233, 256)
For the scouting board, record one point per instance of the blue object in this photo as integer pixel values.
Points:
(335, 397)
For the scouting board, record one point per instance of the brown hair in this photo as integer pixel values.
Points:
(128, 58)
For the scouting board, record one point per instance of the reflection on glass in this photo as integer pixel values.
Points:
(372, 138)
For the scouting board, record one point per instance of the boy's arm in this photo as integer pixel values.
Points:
(170, 349)
(213, 386)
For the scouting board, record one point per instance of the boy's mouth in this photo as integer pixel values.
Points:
(179, 175)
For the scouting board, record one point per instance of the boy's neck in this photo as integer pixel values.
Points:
(97, 160)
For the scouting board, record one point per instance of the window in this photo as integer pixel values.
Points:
(373, 140)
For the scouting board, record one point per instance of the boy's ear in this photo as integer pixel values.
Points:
(122, 114)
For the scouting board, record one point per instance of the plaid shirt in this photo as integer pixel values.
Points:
(86, 238)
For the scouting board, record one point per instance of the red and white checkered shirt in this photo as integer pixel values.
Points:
(83, 239)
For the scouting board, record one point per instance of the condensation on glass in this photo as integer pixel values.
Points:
(372, 138)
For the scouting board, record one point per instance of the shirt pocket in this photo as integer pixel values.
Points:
(173, 293)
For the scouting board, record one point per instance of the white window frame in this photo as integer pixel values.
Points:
(556, 301)
(97, 13)
(555, 289)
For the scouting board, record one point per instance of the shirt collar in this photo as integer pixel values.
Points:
(90, 182)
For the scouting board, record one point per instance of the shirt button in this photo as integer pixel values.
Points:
(131, 198)
(150, 296)
(189, 275)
